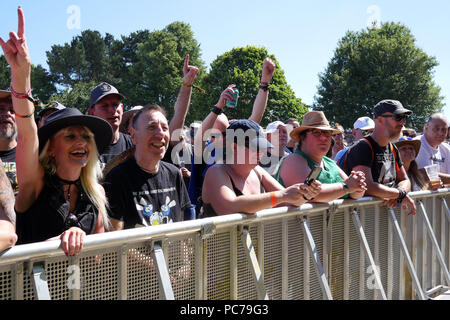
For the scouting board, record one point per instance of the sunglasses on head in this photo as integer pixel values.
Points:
(397, 117)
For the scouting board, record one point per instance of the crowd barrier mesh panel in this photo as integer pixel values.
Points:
(296, 259)
(218, 268)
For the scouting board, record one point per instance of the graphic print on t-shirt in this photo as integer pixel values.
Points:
(150, 217)
(387, 168)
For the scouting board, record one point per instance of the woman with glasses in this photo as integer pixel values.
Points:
(314, 140)
(57, 166)
(240, 185)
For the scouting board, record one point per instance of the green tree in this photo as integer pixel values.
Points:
(157, 74)
(376, 64)
(43, 83)
(5, 74)
(242, 67)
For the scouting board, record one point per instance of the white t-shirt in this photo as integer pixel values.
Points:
(429, 155)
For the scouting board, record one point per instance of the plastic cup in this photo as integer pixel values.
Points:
(433, 174)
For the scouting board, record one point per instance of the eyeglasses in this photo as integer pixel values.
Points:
(397, 117)
(317, 133)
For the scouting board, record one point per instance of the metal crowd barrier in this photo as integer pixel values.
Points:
(344, 250)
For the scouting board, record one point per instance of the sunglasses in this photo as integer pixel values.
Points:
(318, 133)
(397, 117)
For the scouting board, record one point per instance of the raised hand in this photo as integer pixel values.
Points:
(267, 71)
(226, 95)
(16, 50)
(190, 72)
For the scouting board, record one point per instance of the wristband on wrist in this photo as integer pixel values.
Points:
(193, 86)
(27, 96)
(402, 195)
(264, 86)
(346, 188)
(216, 110)
(274, 199)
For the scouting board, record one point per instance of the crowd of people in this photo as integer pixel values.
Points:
(66, 174)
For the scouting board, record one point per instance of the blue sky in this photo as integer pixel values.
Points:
(301, 34)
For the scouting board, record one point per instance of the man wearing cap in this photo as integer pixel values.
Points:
(385, 174)
(8, 137)
(433, 150)
(277, 134)
(362, 127)
(106, 102)
(48, 110)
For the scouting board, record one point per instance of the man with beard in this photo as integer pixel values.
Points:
(385, 175)
(8, 135)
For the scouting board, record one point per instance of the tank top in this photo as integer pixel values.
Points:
(329, 173)
(49, 215)
(208, 210)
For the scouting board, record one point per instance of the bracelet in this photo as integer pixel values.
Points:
(187, 85)
(25, 116)
(264, 86)
(21, 95)
(193, 86)
(274, 199)
(402, 195)
(216, 110)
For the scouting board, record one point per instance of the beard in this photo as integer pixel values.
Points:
(8, 132)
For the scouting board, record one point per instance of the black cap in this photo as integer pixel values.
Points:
(102, 90)
(392, 106)
(54, 106)
(253, 131)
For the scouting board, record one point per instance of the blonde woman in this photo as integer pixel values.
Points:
(57, 167)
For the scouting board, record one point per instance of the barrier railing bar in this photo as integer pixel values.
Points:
(122, 259)
(366, 248)
(434, 243)
(444, 201)
(165, 286)
(406, 256)
(326, 292)
(253, 264)
(39, 280)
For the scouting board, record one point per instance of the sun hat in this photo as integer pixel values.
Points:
(73, 117)
(251, 132)
(364, 123)
(127, 115)
(313, 120)
(407, 140)
(102, 90)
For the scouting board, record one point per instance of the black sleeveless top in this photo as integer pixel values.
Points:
(208, 210)
(49, 215)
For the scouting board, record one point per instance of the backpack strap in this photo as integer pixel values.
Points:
(348, 151)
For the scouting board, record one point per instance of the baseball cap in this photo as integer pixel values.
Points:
(102, 90)
(392, 106)
(364, 123)
(54, 105)
(273, 126)
(252, 133)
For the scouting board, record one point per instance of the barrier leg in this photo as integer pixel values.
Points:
(317, 264)
(435, 243)
(254, 265)
(365, 244)
(405, 252)
(446, 207)
(40, 282)
(163, 273)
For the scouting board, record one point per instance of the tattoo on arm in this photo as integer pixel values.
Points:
(6, 198)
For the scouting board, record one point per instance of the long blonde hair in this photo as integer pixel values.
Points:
(90, 176)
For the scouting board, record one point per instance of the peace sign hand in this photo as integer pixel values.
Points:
(190, 72)
(16, 50)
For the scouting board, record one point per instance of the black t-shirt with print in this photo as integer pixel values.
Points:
(125, 142)
(9, 163)
(385, 165)
(139, 198)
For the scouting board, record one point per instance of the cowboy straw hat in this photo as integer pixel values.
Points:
(407, 140)
(127, 115)
(67, 117)
(313, 120)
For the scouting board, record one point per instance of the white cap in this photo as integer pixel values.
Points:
(364, 123)
(273, 126)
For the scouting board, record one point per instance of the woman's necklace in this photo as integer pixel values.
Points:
(69, 183)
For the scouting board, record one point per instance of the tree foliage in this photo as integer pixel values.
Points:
(376, 64)
(243, 67)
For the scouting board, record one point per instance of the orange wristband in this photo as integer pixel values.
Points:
(274, 199)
